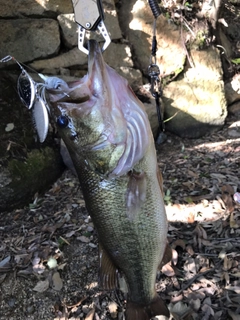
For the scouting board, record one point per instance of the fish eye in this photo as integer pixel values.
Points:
(62, 121)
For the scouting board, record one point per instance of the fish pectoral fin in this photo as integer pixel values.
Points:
(167, 257)
(108, 272)
(156, 307)
(160, 180)
(136, 193)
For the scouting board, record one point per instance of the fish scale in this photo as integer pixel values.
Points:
(114, 228)
(119, 179)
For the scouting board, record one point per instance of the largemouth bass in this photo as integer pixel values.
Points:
(108, 136)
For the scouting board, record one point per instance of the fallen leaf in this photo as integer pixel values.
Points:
(234, 288)
(53, 228)
(190, 266)
(217, 315)
(232, 222)
(191, 217)
(233, 315)
(190, 250)
(179, 243)
(234, 133)
(90, 314)
(113, 309)
(206, 243)
(193, 174)
(168, 270)
(227, 263)
(236, 299)
(52, 263)
(179, 310)
(83, 239)
(57, 281)
(5, 261)
(9, 127)
(39, 268)
(174, 256)
(227, 197)
(69, 234)
(71, 184)
(237, 274)
(218, 176)
(200, 232)
(227, 278)
(41, 286)
(62, 266)
(56, 188)
(207, 312)
(196, 295)
(226, 188)
(195, 303)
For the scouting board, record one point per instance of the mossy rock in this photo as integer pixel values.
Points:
(26, 166)
(195, 103)
(21, 179)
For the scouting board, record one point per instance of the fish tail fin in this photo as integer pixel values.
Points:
(156, 307)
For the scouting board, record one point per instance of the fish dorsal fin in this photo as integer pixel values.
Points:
(107, 271)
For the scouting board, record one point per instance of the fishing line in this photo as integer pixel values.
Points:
(154, 74)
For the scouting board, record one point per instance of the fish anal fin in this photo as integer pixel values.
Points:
(136, 193)
(167, 257)
(107, 272)
(157, 307)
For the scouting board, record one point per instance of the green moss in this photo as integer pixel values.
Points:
(37, 172)
(174, 74)
(34, 170)
(201, 39)
(34, 163)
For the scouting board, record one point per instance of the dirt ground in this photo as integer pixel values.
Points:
(49, 249)
(49, 253)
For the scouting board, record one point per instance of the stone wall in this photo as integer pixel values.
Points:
(43, 34)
